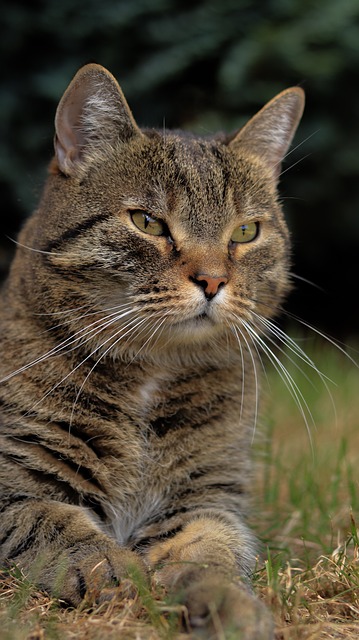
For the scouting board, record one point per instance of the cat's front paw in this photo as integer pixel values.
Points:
(218, 609)
(93, 572)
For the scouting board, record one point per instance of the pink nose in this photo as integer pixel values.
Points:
(209, 284)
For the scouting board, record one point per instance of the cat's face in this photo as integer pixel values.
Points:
(178, 238)
(192, 237)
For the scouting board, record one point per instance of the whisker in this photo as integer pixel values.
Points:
(153, 330)
(159, 332)
(84, 315)
(60, 313)
(292, 346)
(288, 380)
(102, 355)
(233, 328)
(298, 145)
(256, 383)
(24, 246)
(333, 341)
(53, 388)
(77, 337)
(75, 319)
(288, 342)
(295, 164)
(312, 284)
(136, 332)
(330, 340)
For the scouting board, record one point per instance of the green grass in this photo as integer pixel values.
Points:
(306, 512)
(307, 500)
(308, 481)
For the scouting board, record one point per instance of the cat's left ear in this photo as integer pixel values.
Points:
(92, 115)
(269, 133)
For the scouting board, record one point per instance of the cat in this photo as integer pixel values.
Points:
(130, 326)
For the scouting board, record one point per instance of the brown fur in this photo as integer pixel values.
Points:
(128, 395)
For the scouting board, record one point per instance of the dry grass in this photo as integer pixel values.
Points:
(307, 504)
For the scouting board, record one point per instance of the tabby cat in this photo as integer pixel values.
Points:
(130, 325)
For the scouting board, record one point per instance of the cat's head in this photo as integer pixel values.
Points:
(186, 233)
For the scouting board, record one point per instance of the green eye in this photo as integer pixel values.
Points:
(245, 233)
(147, 224)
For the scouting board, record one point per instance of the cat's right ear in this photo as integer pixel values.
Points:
(91, 115)
(269, 133)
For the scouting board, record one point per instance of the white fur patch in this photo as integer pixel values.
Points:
(127, 521)
(147, 393)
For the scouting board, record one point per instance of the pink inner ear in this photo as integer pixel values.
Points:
(69, 138)
(92, 113)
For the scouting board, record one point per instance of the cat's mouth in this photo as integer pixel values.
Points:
(199, 319)
(199, 324)
(196, 324)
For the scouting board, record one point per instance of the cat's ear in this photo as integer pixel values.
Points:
(269, 133)
(92, 113)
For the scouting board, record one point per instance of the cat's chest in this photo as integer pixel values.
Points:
(127, 519)
(172, 416)
(149, 393)
(164, 392)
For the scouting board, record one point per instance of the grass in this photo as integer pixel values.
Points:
(308, 501)
(306, 513)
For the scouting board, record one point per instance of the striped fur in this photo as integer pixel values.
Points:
(128, 393)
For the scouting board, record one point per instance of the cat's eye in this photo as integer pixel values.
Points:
(147, 224)
(245, 232)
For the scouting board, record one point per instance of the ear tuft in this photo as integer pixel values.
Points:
(270, 132)
(91, 115)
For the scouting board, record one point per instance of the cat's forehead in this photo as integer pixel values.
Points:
(194, 162)
(198, 178)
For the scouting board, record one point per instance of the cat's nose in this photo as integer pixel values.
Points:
(209, 284)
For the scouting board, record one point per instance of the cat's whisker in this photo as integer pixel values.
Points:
(312, 284)
(62, 347)
(73, 318)
(260, 359)
(292, 151)
(158, 324)
(233, 328)
(82, 362)
(323, 335)
(159, 332)
(295, 164)
(64, 312)
(144, 330)
(240, 334)
(115, 315)
(24, 246)
(287, 341)
(334, 342)
(292, 346)
(288, 380)
(103, 355)
(297, 146)
(97, 330)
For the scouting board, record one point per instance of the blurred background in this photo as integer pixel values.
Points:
(204, 65)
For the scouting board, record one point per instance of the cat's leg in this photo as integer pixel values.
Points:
(61, 548)
(206, 566)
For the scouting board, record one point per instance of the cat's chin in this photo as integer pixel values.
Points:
(194, 330)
